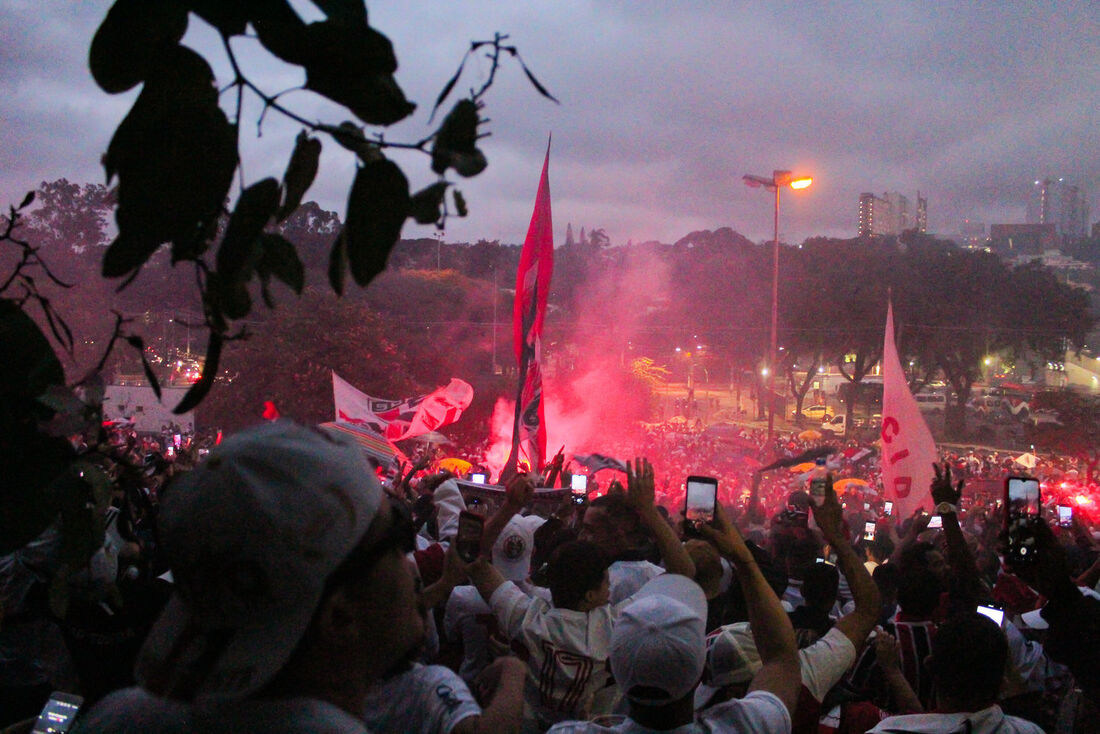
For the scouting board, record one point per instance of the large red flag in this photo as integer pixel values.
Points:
(536, 265)
(908, 450)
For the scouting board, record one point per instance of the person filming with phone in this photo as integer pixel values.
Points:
(567, 642)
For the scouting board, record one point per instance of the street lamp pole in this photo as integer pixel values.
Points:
(778, 180)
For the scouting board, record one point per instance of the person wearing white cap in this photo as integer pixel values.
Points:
(293, 593)
(568, 643)
(468, 618)
(658, 651)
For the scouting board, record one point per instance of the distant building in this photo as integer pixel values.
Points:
(890, 214)
(873, 213)
(1053, 201)
(1012, 240)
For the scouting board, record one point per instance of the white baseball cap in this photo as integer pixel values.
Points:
(251, 535)
(732, 656)
(658, 642)
(512, 549)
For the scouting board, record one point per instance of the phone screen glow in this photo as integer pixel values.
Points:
(700, 500)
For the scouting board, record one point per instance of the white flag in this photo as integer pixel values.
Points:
(440, 408)
(400, 419)
(908, 450)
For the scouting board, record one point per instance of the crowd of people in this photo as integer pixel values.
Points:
(277, 581)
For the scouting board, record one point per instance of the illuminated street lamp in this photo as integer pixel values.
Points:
(779, 180)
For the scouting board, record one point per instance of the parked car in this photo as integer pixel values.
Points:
(933, 403)
(815, 412)
(837, 425)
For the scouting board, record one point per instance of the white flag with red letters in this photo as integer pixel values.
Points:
(908, 450)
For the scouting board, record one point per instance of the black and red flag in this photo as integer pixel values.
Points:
(536, 265)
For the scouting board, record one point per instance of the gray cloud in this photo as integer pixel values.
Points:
(664, 107)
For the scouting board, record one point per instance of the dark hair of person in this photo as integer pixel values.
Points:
(969, 653)
(918, 591)
(915, 555)
(882, 547)
(887, 577)
(574, 569)
(819, 586)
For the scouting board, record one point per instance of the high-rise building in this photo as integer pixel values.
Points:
(1053, 201)
(890, 214)
(873, 213)
(899, 212)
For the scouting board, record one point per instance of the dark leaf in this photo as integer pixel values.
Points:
(68, 412)
(199, 390)
(175, 154)
(447, 88)
(300, 172)
(455, 144)
(377, 207)
(131, 39)
(460, 203)
(234, 300)
(229, 18)
(345, 11)
(535, 82)
(280, 258)
(469, 164)
(58, 327)
(352, 64)
(426, 205)
(126, 254)
(281, 31)
(27, 200)
(338, 263)
(350, 136)
(137, 343)
(28, 365)
(238, 252)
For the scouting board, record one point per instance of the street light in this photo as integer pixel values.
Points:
(778, 180)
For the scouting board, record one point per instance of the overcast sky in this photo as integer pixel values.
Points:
(664, 105)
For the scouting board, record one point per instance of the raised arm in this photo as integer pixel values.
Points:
(640, 494)
(517, 495)
(967, 580)
(857, 625)
(771, 629)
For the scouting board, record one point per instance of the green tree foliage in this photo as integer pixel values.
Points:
(290, 358)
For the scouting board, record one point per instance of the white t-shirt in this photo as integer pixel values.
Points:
(566, 652)
(426, 699)
(986, 721)
(469, 620)
(821, 665)
(136, 711)
(759, 712)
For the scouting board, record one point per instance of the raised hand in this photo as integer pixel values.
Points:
(830, 515)
(640, 491)
(520, 491)
(942, 490)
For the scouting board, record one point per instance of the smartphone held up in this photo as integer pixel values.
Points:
(1023, 508)
(700, 498)
(468, 538)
